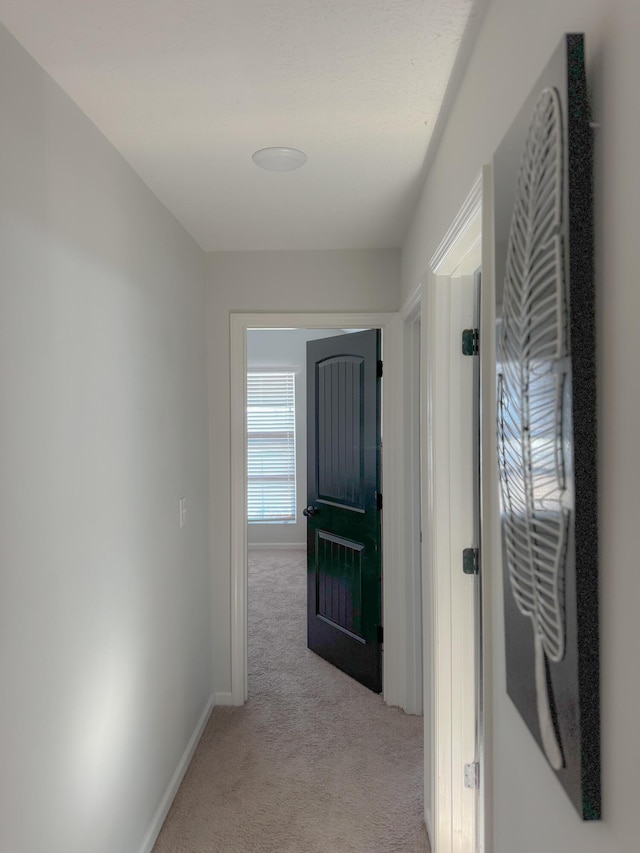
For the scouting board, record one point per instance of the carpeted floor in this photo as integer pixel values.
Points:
(313, 763)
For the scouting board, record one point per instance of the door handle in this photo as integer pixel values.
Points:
(310, 511)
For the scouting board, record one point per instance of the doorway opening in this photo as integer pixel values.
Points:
(314, 441)
(240, 324)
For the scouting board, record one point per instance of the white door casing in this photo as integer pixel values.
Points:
(391, 522)
(453, 812)
(401, 461)
(413, 415)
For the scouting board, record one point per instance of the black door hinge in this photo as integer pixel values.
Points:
(378, 500)
(470, 561)
(379, 634)
(470, 341)
(379, 369)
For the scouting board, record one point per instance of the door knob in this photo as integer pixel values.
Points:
(309, 512)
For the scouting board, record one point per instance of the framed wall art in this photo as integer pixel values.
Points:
(546, 421)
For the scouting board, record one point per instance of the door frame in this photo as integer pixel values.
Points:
(393, 613)
(414, 420)
(453, 820)
(403, 637)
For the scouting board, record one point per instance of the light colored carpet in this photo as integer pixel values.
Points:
(313, 763)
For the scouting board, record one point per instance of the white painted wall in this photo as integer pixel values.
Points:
(286, 349)
(350, 280)
(530, 810)
(105, 613)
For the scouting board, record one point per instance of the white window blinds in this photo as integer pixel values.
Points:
(271, 447)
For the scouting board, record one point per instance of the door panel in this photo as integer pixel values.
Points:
(340, 447)
(339, 582)
(343, 521)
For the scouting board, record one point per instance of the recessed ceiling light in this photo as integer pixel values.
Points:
(279, 159)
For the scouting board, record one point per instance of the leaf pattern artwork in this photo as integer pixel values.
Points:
(532, 352)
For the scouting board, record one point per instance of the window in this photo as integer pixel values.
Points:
(271, 447)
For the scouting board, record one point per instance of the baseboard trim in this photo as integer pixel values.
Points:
(280, 546)
(172, 788)
(428, 823)
(223, 699)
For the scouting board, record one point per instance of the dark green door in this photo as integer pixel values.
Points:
(343, 504)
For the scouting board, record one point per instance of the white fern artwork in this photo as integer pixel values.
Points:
(532, 354)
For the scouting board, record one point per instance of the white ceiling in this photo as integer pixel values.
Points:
(188, 89)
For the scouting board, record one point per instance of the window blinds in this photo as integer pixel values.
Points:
(271, 451)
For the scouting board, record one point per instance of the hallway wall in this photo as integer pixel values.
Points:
(320, 281)
(105, 607)
(529, 808)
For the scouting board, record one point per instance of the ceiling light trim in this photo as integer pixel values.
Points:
(279, 158)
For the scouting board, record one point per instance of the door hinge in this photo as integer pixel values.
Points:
(378, 500)
(470, 561)
(472, 775)
(379, 369)
(470, 341)
(379, 634)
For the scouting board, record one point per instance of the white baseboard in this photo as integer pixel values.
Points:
(277, 546)
(428, 822)
(223, 699)
(172, 788)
